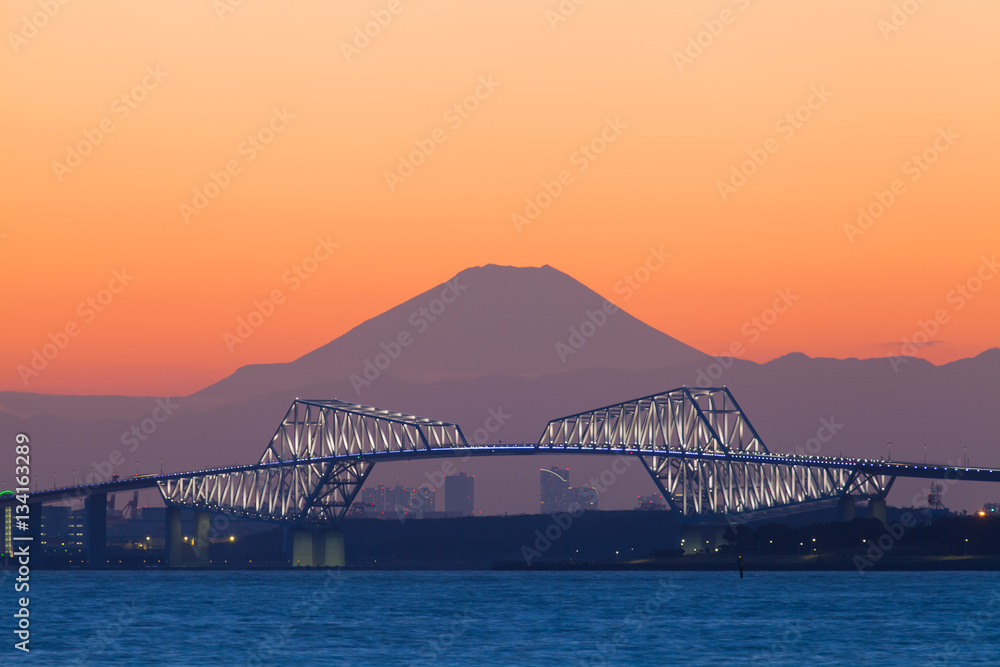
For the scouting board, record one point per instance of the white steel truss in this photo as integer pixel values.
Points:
(314, 465)
(705, 455)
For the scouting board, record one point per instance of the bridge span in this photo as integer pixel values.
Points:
(696, 443)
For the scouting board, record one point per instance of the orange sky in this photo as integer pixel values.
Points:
(66, 229)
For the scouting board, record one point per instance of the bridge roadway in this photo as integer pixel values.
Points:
(864, 466)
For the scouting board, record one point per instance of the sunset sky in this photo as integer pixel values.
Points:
(119, 116)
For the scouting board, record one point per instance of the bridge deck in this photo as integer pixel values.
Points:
(868, 466)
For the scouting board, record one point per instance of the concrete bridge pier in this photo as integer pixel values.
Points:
(845, 508)
(333, 549)
(302, 549)
(201, 542)
(173, 556)
(95, 529)
(876, 508)
(317, 549)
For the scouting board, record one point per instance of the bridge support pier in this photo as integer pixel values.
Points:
(201, 542)
(173, 556)
(333, 549)
(302, 549)
(845, 508)
(95, 529)
(876, 509)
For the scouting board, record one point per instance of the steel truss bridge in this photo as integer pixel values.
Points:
(697, 444)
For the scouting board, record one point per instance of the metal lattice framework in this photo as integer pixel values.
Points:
(705, 455)
(314, 465)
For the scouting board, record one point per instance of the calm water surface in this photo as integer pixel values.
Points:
(500, 618)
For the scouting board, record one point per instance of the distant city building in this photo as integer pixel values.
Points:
(61, 529)
(398, 500)
(653, 502)
(424, 499)
(393, 502)
(459, 493)
(555, 491)
(558, 496)
(373, 501)
(586, 497)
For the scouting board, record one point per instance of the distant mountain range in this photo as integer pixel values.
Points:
(535, 344)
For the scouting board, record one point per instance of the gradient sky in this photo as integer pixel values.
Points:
(656, 184)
